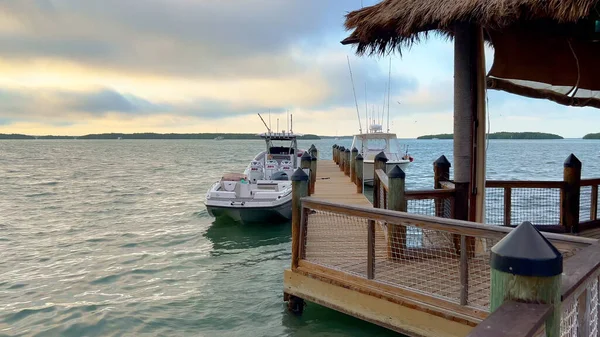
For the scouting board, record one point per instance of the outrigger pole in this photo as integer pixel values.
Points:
(266, 126)
(354, 91)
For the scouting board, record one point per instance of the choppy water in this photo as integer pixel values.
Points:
(110, 238)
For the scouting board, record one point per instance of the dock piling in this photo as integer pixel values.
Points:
(305, 162)
(527, 275)
(347, 162)
(353, 155)
(571, 192)
(341, 156)
(441, 172)
(359, 173)
(396, 202)
(313, 171)
(379, 163)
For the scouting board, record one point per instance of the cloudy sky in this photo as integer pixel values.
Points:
(74, 67)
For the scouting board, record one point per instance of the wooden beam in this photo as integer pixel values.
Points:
(513, 319)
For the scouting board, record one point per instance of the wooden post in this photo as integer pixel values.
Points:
(507, 206)
(359, 173)
(334, 153)
(313, 173)
(527, 275)
(570, 194)
(299, 190)
(594, 203)
(378, 163)
(353, 155)
(441, 172)
(305, 161)
(347, 162)
(341, 155)
(396, 202)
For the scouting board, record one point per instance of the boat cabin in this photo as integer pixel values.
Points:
(370, 144)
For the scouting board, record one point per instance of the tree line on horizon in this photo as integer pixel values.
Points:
(148, 135)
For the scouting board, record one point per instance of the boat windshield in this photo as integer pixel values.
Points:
(377, 144)
(358, 144)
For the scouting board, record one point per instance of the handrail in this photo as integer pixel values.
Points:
(428, 194)
(435, 223)
(513, 319)
(383, 178)
(524, 184)
(577, 269)
(590, 182)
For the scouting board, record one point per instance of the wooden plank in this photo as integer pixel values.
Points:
(371, 250)
(590, 182)
(594, 203)
(523, 184)
(418, 300)
(507, 206)
(399, 317)
(428, 194)
(579, 268)
(333, 185)
(383, 178)
(447, 185)
(513, 319)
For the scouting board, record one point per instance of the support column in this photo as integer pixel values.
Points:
(469, 122)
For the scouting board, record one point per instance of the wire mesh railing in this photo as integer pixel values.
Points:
(443, 259)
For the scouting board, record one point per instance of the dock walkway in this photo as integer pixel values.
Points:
(333, 185)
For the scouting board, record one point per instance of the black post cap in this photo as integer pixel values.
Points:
(526, 252)
(396, 172)
(381, 157)
(335, 146)
(359, 157)
(442, 162)
(347, 150)
(299, 175)
(354, 149)
(572, 161)
(313, 158)
(305, 156)
(342, 149)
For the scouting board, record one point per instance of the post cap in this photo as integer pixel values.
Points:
(299, 175)
(381, 157)
(442, 161)
(334, 146)
(396, 172)
(313, 158)
(526, 252)
(359, 157)
(347, 150)
(572, 161)
(305, 156)
(354, 149)
(342, 148)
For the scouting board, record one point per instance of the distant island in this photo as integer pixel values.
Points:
(502, 135)
(150, 135)
(592, 136)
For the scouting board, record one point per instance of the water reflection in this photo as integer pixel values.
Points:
(230, 235)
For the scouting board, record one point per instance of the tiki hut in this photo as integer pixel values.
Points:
(545, 49)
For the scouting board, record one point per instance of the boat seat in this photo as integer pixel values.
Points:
(287, 167)
(271, 166)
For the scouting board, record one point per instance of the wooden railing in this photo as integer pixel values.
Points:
(436, 264)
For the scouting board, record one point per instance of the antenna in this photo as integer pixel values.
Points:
(266, 126)
(269, 120)
(354, 91)
(389, 87)
(277, 125)
(366, 110)
(291, 120)
(287, 121)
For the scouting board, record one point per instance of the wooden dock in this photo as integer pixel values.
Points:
(333, 185)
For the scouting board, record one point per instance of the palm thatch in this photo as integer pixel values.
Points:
(392, 24)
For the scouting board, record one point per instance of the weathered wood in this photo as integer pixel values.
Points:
(305, 162)
(523, 184)
(383, 179)
(347, 162)
(332, 185)
(441, 173)
(353, 155)
(464, 271)
(570, 194)
(303, 230)
(371, 250)
(579, 268)
(379, 163)
(448, 225)
(314, 153)
(359, 173)
(532, 275)
(507, 205)
(513, 319)
(587, 225)
(590, 182)
(447, 185)
(397, 202)
(428, 194)
(299, 190)
(594, 203)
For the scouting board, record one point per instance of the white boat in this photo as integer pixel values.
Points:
(263, 193)
(372, 143)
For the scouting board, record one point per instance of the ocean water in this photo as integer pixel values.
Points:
(110, 238)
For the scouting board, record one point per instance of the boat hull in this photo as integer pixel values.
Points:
(368, 170)
(249, 215)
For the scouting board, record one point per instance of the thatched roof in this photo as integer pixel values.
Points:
(392, 24)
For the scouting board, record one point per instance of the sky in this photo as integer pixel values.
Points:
(72, 67)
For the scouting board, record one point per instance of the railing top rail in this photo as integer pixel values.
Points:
(429, 194)
(435, 223)
(513, 319)
(524, 183)
(590, 182)
(383, 178)
(577, 269)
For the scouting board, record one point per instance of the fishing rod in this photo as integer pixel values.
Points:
(354, 91)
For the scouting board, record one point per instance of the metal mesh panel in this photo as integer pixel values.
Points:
(479, 250)
(585, 201)
(568, 321)
(540, 206)
(421, 206)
